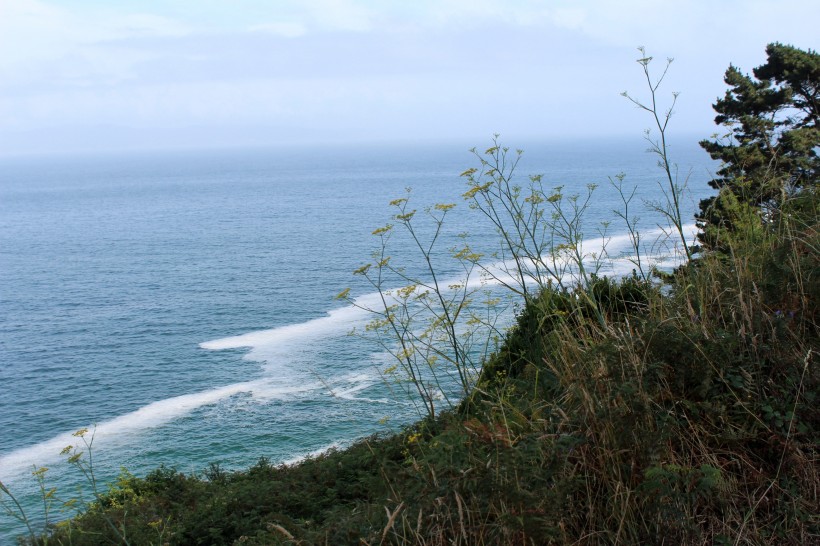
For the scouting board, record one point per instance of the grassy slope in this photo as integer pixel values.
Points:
(688, 415)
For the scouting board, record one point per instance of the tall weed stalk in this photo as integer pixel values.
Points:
(542, 245)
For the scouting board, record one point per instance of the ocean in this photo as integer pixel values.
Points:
(181, 304)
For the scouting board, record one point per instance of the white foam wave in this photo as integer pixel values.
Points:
(276, 343)
(119, 429)
(284, 346)
(275, 346)
(612, 253)
(348, 393)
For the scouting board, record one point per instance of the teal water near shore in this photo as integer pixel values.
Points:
(184, 302)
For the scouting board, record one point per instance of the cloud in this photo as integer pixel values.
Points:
(33, 32)
(288, 30)
(378, 68)
(347, 15)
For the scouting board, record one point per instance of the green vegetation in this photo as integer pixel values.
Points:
(770, 151)
(614, 411)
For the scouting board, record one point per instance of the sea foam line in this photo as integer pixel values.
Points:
(266, 345)
(273, 345)
(147, 417)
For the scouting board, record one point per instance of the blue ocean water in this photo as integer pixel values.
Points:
(183, 303)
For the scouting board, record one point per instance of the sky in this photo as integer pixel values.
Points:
(101, 75)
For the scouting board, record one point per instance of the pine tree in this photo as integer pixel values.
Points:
(771, 151)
